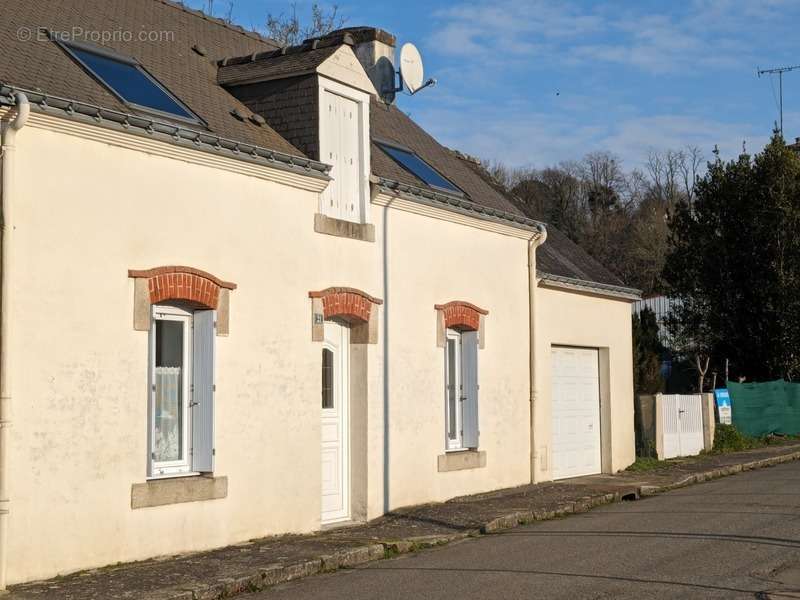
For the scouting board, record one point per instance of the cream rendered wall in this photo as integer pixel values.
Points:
(430, 262)
(85, 213)
(567, 318)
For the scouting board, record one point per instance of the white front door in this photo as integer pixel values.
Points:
(335, 423)
(576, 412)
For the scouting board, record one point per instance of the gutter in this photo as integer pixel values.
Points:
(7, 152)
(533, 243)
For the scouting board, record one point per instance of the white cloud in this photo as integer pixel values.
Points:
(535, 82)
(521, 137)
(703, 33)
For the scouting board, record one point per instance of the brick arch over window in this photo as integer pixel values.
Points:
(460, 315)
(463, 315)
(354, 306)
(162, 284)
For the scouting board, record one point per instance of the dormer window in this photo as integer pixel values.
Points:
(412, 163)
(128, 80)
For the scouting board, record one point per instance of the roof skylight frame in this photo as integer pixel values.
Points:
(454, 190)
(68, 46)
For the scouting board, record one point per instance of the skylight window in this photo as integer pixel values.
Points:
(418, 167)
(129, 81)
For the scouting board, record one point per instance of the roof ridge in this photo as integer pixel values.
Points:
(196, 12)
(309, 45)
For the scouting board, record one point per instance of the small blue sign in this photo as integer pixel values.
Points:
(723, 405)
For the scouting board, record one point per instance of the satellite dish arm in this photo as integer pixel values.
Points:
(430, 83)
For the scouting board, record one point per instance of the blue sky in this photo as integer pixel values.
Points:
(538, 82)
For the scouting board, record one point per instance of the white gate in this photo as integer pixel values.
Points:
(681, 425)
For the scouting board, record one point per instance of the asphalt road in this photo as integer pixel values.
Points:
(737, 537)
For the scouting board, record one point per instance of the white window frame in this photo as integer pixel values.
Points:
(157, 469)
(453, 444)
(362, 99)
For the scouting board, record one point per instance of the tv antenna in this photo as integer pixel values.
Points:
(780, 71)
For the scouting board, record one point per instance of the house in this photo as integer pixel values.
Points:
(243, 294)
(662, 307)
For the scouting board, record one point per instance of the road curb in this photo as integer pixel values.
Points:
(652, 490)
(271, 574)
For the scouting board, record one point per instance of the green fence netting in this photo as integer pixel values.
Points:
(759, 409)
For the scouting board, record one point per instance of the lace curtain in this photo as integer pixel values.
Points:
(169, 414)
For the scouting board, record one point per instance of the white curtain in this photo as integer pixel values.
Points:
(169, 414)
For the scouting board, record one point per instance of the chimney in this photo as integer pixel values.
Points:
(374, 49)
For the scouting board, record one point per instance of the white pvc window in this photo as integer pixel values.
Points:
(461, 390)
(182, 389)
(453, 391)
(170, 391)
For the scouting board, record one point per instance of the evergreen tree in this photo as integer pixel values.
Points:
(734, 265)
(647, 352)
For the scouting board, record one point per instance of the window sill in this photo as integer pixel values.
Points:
(175, 490)
(174, 475)
(364, 232)
(459, 460)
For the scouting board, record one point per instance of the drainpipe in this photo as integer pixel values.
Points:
(533, 281)
(9, 131)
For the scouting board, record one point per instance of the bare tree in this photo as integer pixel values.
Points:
(502, 174)
(619, 217)
(605, 181)
(673, 173)
(701, 364)
(227, 17)
(690, 169)
(664, 169)
(289, 30)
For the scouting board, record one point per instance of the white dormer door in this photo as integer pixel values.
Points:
(344, 144)
(343, 153)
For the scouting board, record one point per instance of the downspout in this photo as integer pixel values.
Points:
(533, 281)
(7, 148)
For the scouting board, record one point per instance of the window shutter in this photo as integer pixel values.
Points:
(203, 392)
(469, 381)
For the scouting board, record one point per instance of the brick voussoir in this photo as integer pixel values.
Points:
(347, 303)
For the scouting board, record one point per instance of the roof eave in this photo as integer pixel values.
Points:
(164, 131)
(457, 204)
(591, 287)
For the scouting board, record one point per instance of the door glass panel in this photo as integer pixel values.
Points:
(327, 378)
(169, 390)
(452, 392)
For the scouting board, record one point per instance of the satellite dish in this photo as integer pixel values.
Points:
(411, 68)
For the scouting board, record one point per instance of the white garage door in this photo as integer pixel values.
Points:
(576, 412)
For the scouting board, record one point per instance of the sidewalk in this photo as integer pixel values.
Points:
(258, 564)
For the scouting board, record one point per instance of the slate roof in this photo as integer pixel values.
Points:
(272, 65)
(40, 64)
(196, 77)
(389, 123)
